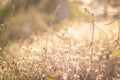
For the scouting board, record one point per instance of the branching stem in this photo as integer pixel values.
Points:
(118, 23)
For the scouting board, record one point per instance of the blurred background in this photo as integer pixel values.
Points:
(59, 40)
(21, 18)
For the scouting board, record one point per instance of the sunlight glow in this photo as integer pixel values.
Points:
(86, 1)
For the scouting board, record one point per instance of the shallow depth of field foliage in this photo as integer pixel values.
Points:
(59, 39)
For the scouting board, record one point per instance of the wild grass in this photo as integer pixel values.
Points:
(71, 53)
(62, 55)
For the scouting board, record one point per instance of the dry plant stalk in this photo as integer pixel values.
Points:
(116, 18)
(92, 35)
(92, 40)
(118, 24)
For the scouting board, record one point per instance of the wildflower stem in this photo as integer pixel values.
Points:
(92, 42)
(118, 27)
